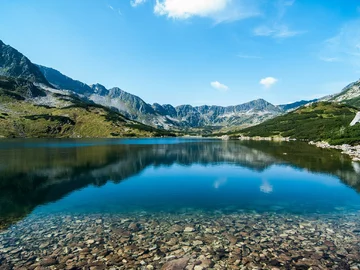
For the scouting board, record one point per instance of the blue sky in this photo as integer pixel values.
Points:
(216, 52)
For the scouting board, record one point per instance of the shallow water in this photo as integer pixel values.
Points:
(145, 203)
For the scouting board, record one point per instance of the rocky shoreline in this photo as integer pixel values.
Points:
(257, 138)
(183, 241)
(352, 151)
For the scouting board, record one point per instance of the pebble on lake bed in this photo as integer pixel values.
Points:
(184, 241)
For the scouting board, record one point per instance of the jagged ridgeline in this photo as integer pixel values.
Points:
(183, 117)
(167, 116)
(32, 107)
(61, 106)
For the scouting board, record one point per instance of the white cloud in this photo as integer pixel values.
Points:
(219, 86)
(266, 187)
(135, 3)
(268, 82)
(218, 10)
(345, 46)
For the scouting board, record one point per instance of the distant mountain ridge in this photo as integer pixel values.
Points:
(167, 116)
(183, 117)
(295, 105)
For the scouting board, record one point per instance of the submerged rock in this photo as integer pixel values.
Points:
(178, 264)
(239, 240)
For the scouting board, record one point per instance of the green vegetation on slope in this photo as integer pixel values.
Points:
(21, 117)
(355, 102)
(319, 121)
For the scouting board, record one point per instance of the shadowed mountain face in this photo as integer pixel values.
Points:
(63, 82)
(14, 64)
(19, 89)
(63, 167)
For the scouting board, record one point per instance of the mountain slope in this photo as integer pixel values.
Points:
(63, 82)
(14, 64)
(30, 111)
(167, 116)
(350, 95)
(317, 122)
(19, 89)
(296, 105)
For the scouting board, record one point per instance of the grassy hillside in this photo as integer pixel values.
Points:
(20, 116)
(319, 121)
(355, 102)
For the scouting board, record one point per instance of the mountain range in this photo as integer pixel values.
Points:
(181, 118)
(30, 106)
(167, 116)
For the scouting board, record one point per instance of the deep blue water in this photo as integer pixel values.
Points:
(224, 187)
(173, 175)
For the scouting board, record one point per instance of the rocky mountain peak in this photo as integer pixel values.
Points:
(15, 64)
(99, 89)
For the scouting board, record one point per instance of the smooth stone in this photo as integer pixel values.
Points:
(48, 262)
(178, 264)
(189, 229)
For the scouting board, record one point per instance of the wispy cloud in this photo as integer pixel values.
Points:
(268, 82)
(218, 10)
(247, 56)
(135, 3)
(219, 86)
(330, 59)
(345, 45)
(118, 11)
(275, 27)
(220, 182)
(276, 31)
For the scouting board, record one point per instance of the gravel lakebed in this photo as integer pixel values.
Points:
(183, 241)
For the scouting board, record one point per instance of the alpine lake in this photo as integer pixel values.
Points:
(177, 204)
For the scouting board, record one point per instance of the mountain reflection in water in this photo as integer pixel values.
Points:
(34, 174)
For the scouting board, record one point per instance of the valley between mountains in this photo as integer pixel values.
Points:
(38, 101)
